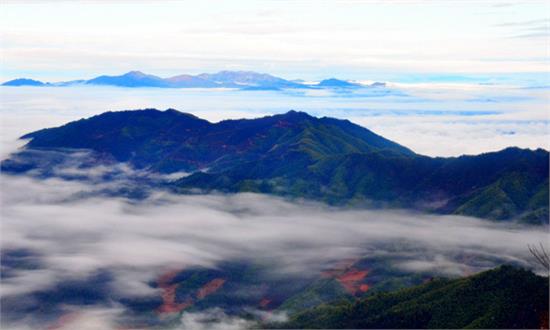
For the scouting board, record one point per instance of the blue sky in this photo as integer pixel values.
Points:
(378, 40)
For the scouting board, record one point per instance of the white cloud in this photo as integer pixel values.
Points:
(166, 230)
(214, 319)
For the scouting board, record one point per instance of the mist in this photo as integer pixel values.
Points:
(57, 231)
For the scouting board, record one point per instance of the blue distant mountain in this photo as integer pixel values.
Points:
(378, 84)
(130, 79)
(189, 81)
(247, 80)
(23, 82)
(333, 82)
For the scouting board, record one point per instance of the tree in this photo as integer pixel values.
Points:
(541, 255)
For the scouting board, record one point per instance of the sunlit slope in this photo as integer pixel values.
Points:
(505, 298)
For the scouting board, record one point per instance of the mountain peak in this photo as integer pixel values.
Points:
(135, 73)
(297, 114)
(23, 82)
(129, 79)
(333, 82)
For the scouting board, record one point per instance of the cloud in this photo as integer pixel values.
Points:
(529, 29)
(533, 35)
(214, 319)
(217, 319)
(88, 318)
(529, 23)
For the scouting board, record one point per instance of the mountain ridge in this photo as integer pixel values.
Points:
(248, 80)
(296, 155)
(24, 82)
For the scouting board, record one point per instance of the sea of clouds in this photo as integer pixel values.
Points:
(68, 228)
(72, 233)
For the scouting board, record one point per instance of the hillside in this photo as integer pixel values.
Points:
(505, 297)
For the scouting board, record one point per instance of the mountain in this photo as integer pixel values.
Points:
(300, 156)
(337, 83)
(190, 143)
(130, 79)
(23, 82)
(378, 84)
(503, 298)
(189, 81)
(228, 79)
(247, 80)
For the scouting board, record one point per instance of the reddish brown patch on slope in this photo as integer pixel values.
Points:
(349, 277)
(210, 288)
(544, 324)
(168, 295)
(167, 277)
(351, 281)
(339, 268)
(169, 304)
(282, 123)
(264, 302)
(364, 287)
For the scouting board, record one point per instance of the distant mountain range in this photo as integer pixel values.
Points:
(226, 79)
(300, 156)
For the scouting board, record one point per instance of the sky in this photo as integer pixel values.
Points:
(378, 40)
